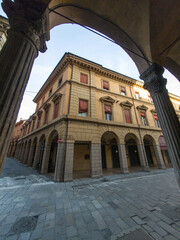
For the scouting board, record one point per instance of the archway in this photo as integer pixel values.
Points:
(110, 153)
(150, 152)
(53, 143)
(41, 147)
(131, 142)
(164, 151)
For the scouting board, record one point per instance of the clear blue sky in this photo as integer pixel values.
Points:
(75, 39)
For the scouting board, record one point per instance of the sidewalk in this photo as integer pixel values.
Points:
(140, 206)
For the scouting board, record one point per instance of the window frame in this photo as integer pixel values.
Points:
(83, 114)
(103, 85)
(84, 74)
(137, 94)
(108, 114)
(122, 87)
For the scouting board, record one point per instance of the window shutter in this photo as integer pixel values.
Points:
(123, 89)
(142, 114)
(84, 78)
(107, 109)
(106, 85)
(156, 117)
(127, 115)
(56, 110)
(83, 106)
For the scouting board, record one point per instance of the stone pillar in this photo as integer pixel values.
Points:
(156, 85)
(30, 157)
(96, 161)
(36, 157)
(22, 153)
(26, 153)
(19, 154)
(68, 170)
(27, 36)
(45, 162)
(123, 158)
(159, 157)
(142, 157)
(60, 162)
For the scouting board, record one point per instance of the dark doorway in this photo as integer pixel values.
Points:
(133, 155)
(52, 156)
(103, 155)
(115, 156)
(149, 155)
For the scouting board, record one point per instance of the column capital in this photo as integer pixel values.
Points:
(154, 81)
(29, 18)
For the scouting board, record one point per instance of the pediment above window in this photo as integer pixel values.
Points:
(142, 107)
(126, 104)
(39, 113)
(153, 110)
(56, 97)
(46, 106)
(107, 99)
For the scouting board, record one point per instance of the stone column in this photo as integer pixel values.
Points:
(22, 153)
(60, 161)
(27, 36)
(45, 161)
(156, 85)
(30, 157)
(68, 170)
(123, 158)
(37, 156)
(26, 154)
(159, 157)
(96, 161)
(142, 157)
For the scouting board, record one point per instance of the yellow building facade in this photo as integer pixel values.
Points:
(91, 121)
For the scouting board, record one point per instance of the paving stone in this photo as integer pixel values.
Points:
(71, 231)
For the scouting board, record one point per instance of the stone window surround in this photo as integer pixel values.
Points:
(127, 105)
(88, 112)
(143, 109)
(103, 80)
(107, 101)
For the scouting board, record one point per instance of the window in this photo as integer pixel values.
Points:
(50, 92)
(157, 121)
(60, 81)
(84, 78)
(137, 95)
(127, 114)
(108, 112)
(83, 108)
(123, 90)
(46, 116)
(150, 99)
(143, 118)
(105, 85)
(56, 109)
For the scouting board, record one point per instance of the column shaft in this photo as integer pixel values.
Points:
(96, 161)
(123, 158)
(159, 157)
(142, 157)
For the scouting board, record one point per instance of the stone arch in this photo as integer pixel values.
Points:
(150, 147)
(132, 150)
(49, 159)
(110, 151)
(39, 152)
(82, 14)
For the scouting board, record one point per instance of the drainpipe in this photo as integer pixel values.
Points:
(141, 141)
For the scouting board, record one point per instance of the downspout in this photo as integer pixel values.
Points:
(141, 141)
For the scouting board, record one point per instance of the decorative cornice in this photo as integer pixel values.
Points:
(142, 107)
(107, 99)
(154, 82)
(126, 104)
(29, 18)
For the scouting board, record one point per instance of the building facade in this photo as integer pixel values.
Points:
(4, 26)
(15, 137)
(91, 121)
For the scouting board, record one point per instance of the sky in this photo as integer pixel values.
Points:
(75, 39)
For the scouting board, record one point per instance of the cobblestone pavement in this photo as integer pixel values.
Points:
(135, 206)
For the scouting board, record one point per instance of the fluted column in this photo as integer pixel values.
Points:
(156, 85)
(27, 35)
